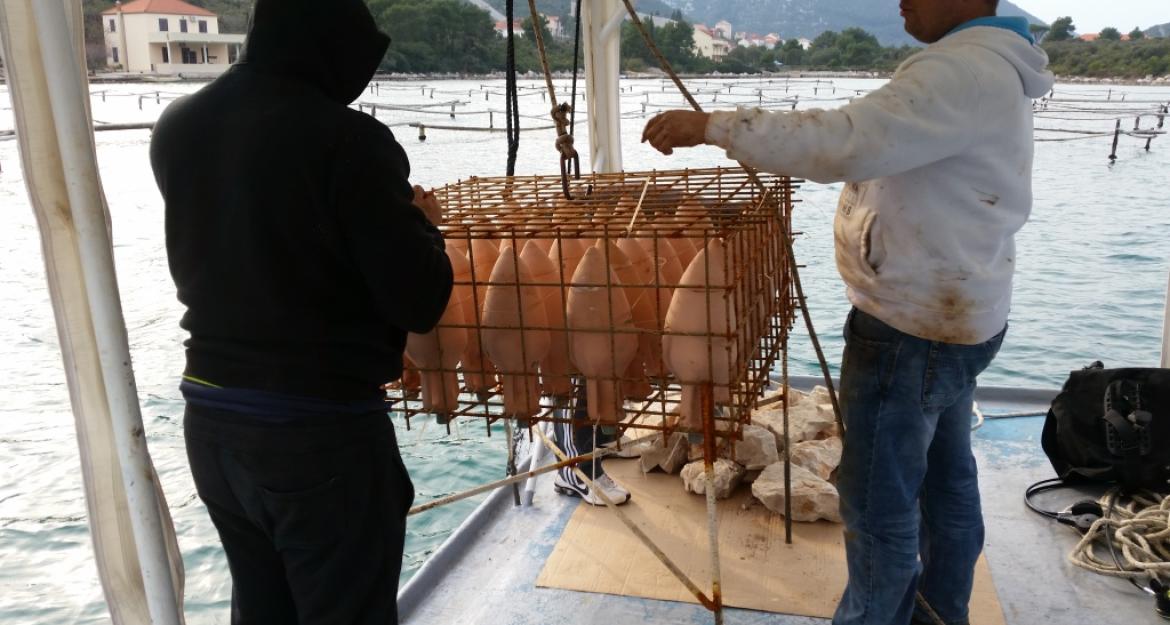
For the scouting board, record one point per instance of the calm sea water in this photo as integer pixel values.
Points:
(1091, 285)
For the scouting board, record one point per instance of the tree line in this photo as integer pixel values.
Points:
(436, 36)
(440, 36)
(453, 36)
(850, 49)
(1107, 56)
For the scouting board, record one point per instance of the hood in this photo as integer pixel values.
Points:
(1029, 59)
(332, 44)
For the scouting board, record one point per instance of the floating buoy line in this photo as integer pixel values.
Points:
(1103, 114)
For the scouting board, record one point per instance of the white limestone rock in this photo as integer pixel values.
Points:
(758, 448)
(821, 457)
(771, 397)
(820, 395)
(824, 402)
(772, 420)
(826, 411)
(670, 457)
(795, 396)
(728, 475)
(806, 422)
(813, 499)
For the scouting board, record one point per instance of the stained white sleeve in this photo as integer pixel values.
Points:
(926, 113)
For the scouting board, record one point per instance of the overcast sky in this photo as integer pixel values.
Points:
(1090, 16)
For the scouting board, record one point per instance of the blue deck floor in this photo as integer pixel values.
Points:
(486, 573)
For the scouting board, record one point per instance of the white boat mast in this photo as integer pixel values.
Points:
(601, 30)
(1166, 332)
(133, 538)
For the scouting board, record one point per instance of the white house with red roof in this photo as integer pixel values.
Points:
(167, 37)
(1095, 36)
(517, 28)
(555, 27)
(709, 43)
(769, 41)
(723, 28)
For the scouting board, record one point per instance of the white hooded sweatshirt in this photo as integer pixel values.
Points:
(939, 170)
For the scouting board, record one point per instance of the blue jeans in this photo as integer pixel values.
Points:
(908, 481)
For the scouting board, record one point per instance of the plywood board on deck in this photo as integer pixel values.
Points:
(596, 553)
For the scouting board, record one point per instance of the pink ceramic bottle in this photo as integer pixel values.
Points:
(704, 313)
(641, 274)
(437, 352)
(512, 303)
(566, 253)
(684, 249)
(602, 344)
(554, 369)
(478, 371)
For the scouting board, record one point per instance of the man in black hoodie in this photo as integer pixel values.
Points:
(295, 244)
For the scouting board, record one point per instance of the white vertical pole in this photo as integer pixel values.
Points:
(125, 60)
(1166, 331)
(602, 73)
(49, 95)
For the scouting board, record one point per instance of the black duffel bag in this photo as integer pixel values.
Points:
(1112, 426)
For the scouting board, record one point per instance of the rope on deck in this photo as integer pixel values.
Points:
(1140, 528)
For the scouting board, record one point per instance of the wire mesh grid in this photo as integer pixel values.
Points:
(645, 288)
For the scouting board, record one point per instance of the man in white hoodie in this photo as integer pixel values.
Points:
(938, 166)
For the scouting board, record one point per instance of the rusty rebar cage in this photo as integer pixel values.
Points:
(726, 332)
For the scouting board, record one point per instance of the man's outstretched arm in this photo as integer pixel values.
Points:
(921, 116)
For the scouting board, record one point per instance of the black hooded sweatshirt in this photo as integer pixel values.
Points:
(291, 234)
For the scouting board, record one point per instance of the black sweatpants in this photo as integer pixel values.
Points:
(576, 439)
(311, 514)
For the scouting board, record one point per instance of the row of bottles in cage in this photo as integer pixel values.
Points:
(619, 312)
(635, 290)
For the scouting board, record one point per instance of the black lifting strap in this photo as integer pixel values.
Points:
(576, 58)
(1124, 431)
(511, 95)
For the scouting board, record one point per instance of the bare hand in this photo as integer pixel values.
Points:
(429, 204)
(676, 129)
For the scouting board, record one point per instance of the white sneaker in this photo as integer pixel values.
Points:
(569, 483)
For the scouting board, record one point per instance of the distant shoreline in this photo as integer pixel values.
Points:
(104, 77)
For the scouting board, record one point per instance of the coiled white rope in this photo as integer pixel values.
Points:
(1140, 529)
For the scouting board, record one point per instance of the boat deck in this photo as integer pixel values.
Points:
(485, 573)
